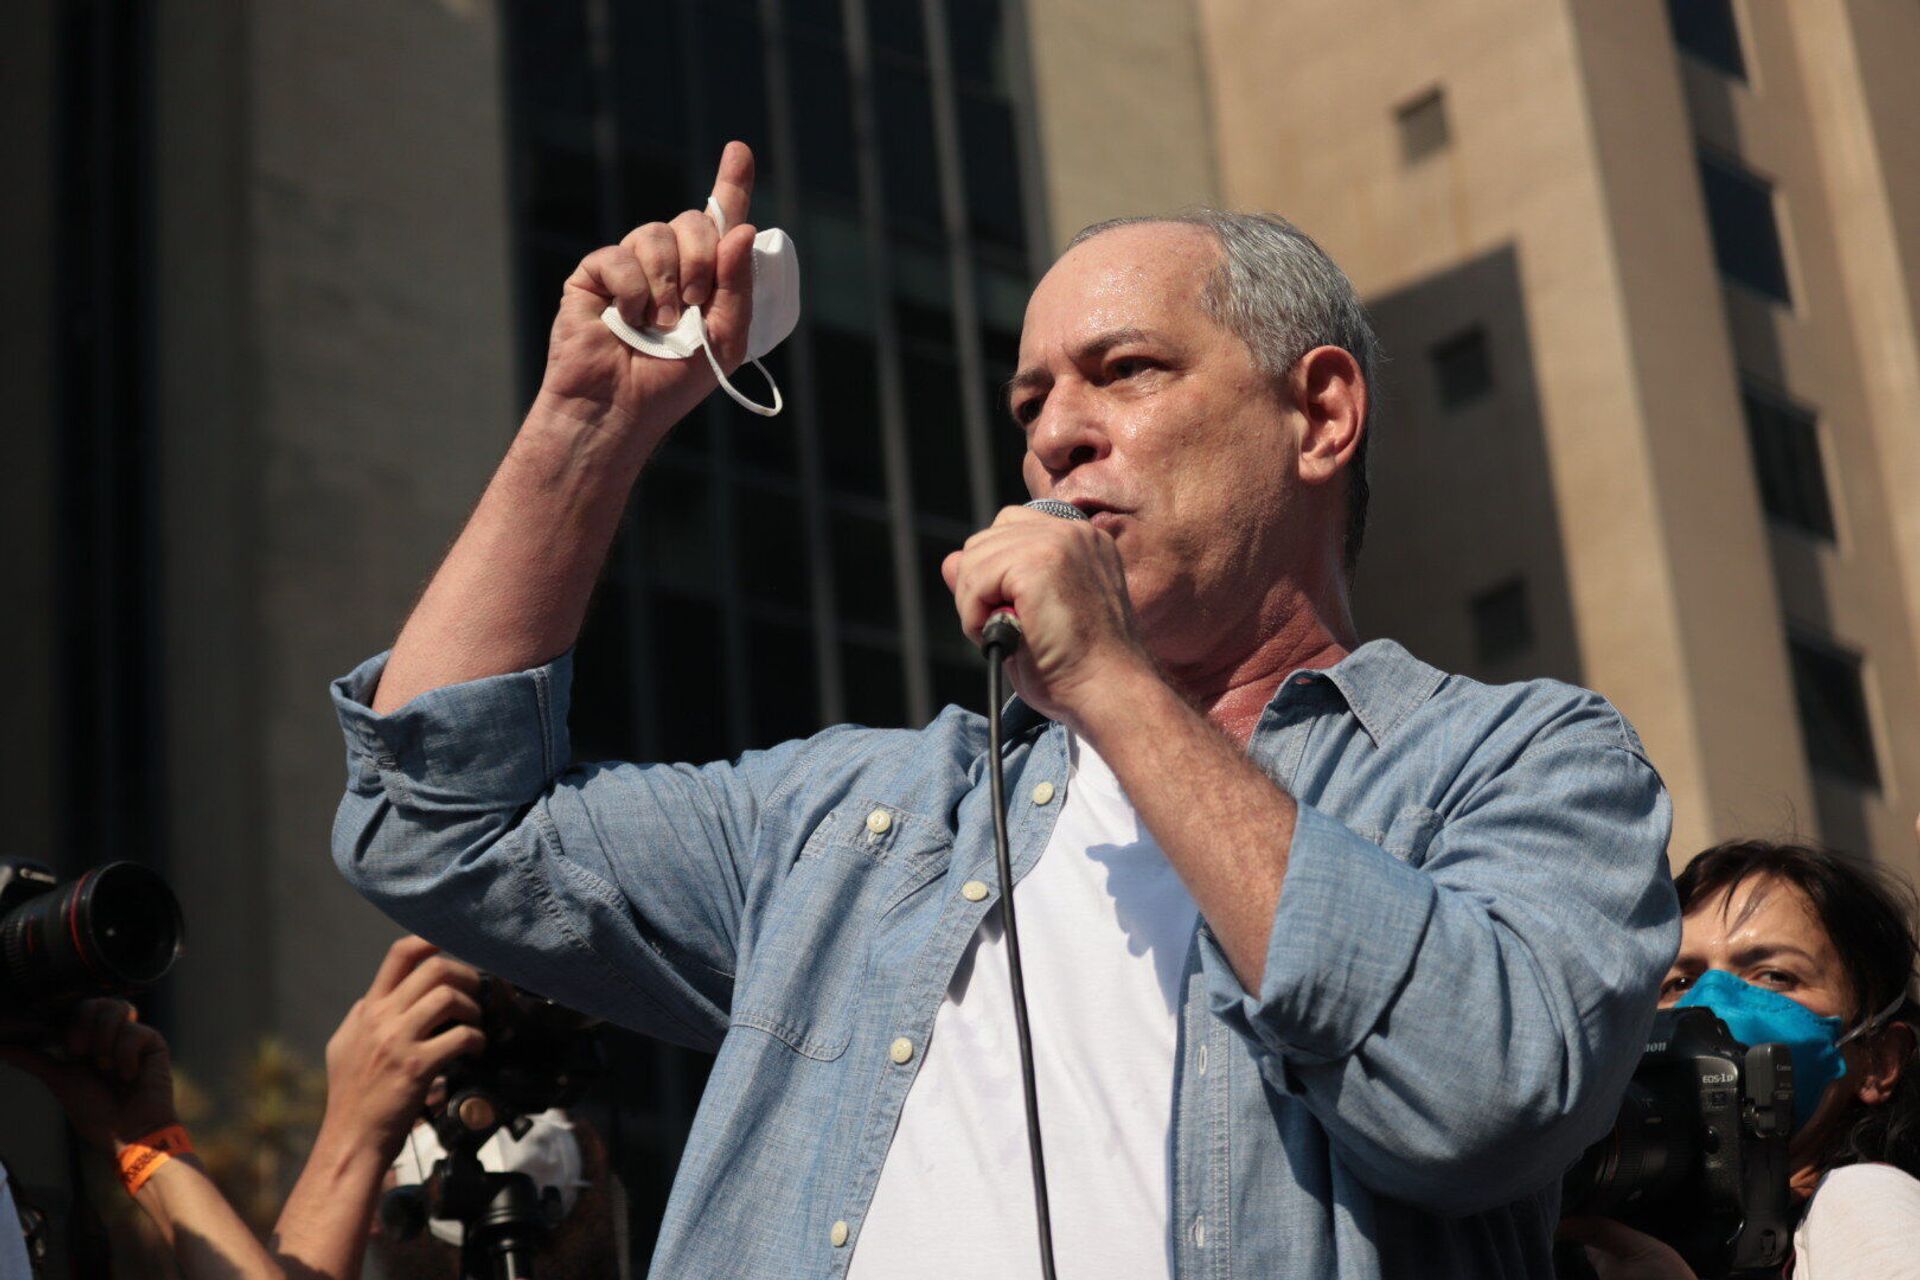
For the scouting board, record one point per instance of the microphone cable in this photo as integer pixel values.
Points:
(1000, 640)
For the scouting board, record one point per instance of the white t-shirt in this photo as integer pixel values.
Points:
(1863, 1224)
(1105, 925)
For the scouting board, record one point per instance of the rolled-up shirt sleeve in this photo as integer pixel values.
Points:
(613, 888)
(1463, 1025)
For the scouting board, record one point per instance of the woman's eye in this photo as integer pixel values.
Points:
(1777, 978)
(1675, 985)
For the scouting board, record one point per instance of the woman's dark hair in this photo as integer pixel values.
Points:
(1869, 916)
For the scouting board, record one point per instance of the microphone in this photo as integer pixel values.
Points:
(1000, 639)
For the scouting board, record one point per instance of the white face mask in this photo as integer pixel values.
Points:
(548, 1152)
(776, 310)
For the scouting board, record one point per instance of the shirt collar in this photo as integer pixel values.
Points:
(1382, 684)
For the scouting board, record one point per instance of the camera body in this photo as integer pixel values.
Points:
(112, 930)
(1698, 1156)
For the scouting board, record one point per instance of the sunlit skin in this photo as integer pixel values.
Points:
(1220, 488)
(1766, 932)
(1212, 564)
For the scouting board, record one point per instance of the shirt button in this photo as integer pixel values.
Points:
(1199, 1232)
(974, 890)
(878, 821)
(902, 1051)
(1042, 792)
(1203, 1059)
(839, 1233)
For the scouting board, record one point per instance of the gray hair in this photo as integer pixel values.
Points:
(1279, 292)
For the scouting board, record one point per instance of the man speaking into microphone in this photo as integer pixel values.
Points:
(1334, 961)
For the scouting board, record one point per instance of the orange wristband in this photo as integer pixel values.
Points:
(141, 1159)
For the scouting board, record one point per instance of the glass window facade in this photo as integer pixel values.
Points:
(1707, 30)
(1785, 438)
(1831, 694)
(1746, 233)
(780, 575)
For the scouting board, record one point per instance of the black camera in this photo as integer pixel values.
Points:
(539, 1055)
(110, 931)
(1698, 1157)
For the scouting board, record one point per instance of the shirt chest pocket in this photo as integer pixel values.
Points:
(806, 973)
(1412, 830)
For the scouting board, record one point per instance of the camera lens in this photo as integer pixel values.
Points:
(112, 931)
(1650, 1151)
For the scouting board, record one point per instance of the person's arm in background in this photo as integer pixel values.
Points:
(380, 1063)
(513, 591)
(115, 1081)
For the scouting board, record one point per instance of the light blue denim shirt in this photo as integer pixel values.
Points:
(1475, 915)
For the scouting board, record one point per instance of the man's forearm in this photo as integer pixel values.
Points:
(1222, 823)
(208, 1238)
(322, 1231)
(513, 591)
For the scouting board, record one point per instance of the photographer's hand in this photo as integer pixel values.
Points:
(380, 1063)
(114, 1077)
(1618, 1252)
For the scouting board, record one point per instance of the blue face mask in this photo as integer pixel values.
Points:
(1757, 1016)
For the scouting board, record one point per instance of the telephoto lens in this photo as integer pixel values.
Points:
(109, 932)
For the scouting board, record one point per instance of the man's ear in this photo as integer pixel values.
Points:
(1331, 395)
(1883, 1058)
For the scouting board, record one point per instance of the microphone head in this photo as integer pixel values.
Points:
(1055, 507)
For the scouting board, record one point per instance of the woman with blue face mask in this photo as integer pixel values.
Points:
(1798, 945)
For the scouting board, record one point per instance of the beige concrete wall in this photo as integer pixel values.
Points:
(338, 388)
(1121, 109)
(1714, 538)
(1315, 138)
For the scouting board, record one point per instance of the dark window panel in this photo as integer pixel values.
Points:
(909, 171)
(923, 297)
(1502, 622)
(876, 685)
(676, 525)
(653, 187)
(561, 188)
(649, 85)
(936, 436)
(1707, 30)
(1462, 369)
(1833, 712)
(977, 42)
(819, 17)
(762, 444)
(863, 570)
(1787, 463)
(823, 119)
(846, 371)
(600, 715)
(960, 684)
(780, 670)
(1423, 126)
(944, 637)
(732, 73)
(991, 162)
(894, 25)
(547, 57)
(1746, 235)
(837, 285)
(771, 546)
(689, 678)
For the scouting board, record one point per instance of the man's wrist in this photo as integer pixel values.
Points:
(579, 421)
(1121, 696)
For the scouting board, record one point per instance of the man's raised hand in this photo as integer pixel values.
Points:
(653, 274)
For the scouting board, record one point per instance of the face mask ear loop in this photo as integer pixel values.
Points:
(726, 386)
(1874, 1023)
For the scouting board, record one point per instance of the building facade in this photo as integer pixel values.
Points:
(1646, 281)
